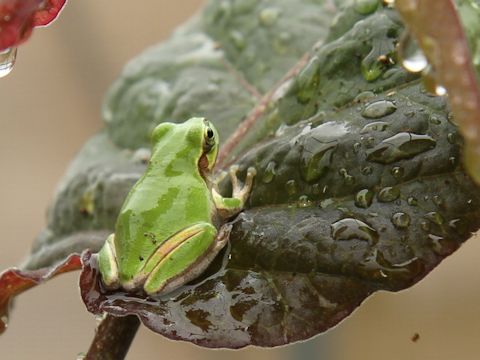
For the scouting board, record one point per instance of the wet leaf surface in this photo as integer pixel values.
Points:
(359, 186)
(19, 17)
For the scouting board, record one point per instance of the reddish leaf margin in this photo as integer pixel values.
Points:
(15, 281)
(19, 17)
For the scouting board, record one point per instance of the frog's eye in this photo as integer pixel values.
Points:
(209, 137)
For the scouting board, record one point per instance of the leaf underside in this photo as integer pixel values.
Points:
(359, 183)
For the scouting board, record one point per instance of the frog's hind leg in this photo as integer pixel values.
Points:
(188, 260)
(107, 263)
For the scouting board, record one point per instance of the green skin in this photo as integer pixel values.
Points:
(170, 226)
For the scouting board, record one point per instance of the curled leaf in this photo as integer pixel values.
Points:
(19, 17)
(15, 281)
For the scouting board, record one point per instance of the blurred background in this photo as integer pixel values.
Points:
(50, 105)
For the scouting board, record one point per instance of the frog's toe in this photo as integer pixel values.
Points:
(107, 263)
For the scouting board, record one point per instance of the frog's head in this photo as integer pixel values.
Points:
(197, 135)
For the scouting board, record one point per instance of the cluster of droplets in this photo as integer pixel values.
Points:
(7, 61)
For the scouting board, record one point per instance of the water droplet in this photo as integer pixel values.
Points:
(412, 201)
(413, 59)
(237, 39)
(430, 83)
(437, 200)
(4, 320)
(459, 225)
(452, 160)
(435, 218)
(350, 229)
(269, 16)
(318, 147)
(435, 120)
(307, 80)
(425, 225)
(379, 109)
(356, 147)
(304, 201)
(440, 90)
(269, 173)
(291, 187)
(366, 7)
(367, 170)
(403, 145)
(397, 172)
(436, 243)
(364, 96)
(401, 220)
(363, 198)
(370, 142)
(7, 61)
(388, 194)
(374, 126)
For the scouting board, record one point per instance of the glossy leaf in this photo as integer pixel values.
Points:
(359, 183)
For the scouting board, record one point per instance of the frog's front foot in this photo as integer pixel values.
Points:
(241, 192)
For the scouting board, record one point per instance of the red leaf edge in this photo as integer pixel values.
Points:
(15, 281)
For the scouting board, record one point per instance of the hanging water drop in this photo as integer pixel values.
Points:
(412, 57)
(7, 61)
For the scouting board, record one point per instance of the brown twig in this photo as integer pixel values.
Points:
(438, 29)
(255, 114)
(113, 338)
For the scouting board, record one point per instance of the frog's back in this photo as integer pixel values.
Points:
(169, 197)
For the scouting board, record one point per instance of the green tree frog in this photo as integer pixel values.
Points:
(171, 225)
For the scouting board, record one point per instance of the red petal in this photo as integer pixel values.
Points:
(15, 281)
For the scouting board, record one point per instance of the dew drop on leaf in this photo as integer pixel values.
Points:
(403, 145)
(291, 187)
(269, 16)
(7, 61)
(269, 173)
(388, 194)
(374, 126)
(401, 220)
(365, 7)
(379, 109)
(363, 198)
(397, 172)
(304, 201)
(350, 229)
(412, 201)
